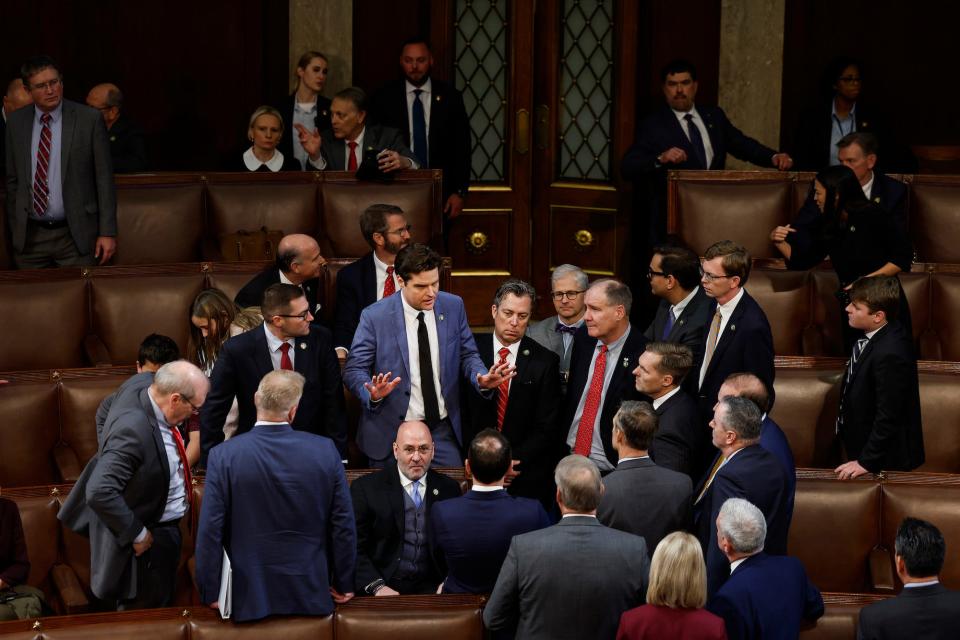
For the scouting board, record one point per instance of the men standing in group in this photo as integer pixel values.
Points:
(683, 311)
(285, 340)
(433, 120)
(61, 203)
(408, 357)
(524, 409)
(15, 97)
(392, 508)
(298, 263)
(371, 278)
(127, 146)
(568, 286)
(603, 355)
(574, 579)
(277, 502)
(131, 496)
(641, 497)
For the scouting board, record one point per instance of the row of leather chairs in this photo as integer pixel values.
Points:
(181, 217)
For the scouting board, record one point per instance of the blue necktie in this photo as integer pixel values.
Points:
(420, 130)
(415, 494)
(696, 141)
(668, 325)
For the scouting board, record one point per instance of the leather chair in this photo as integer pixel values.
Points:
(79, 399)
(840, 617)
(784, 297)
(28, 433)
(231, 277)
(944, 314)
(411, 618)
(209, 626)
(45, 322)
(934, 201)
(939, 408)
(159, 223)
(806, 409)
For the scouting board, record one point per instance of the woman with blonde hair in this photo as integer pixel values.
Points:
(265, 131)
(675, 597)
(306, 106)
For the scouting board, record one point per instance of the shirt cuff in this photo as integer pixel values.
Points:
(141, 536)
(320, 164)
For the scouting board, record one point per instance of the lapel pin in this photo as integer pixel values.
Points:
(303, 346)
(877, 199)
(852, 229)
(438, 98)
(733, 327)
(526, 352)
(441, 317)
(681, 322)
(435, 492)
(626, 362)
(864, 124)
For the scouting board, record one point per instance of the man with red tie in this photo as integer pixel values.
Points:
(371, 278)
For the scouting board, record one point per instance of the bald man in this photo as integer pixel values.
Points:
(15, 97)
(298, 262)
(127, 146)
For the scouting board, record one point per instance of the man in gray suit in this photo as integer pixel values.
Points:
(61, 205)
(568, 285)
(574, 579)
(131, 496)
(640, 497)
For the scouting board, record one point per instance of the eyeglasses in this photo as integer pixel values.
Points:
(651, 273)
(423, 449)
(850, 79)
(710, 277)
(401, 230)
(195, 408)
(49, 84)
(569, 295)
(302, 316)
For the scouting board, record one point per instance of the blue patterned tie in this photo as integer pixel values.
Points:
(415, 494)
(420, 130)
(668, 325)
(696, 141)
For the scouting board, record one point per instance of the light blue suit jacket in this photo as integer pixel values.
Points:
(380, 345)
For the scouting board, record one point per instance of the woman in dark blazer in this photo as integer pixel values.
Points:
(305, 105)
(265, 132)
(675, 597)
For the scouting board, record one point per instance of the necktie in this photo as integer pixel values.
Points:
(503, 390)
(389, 286)
(562, 328)
(415, 494)
(285, 362)
(696, 141)
(591, 406)
(431, 407)
(40, 190)
(352, 160)
(712, 339)
(668, 325)
(713, 473)
(182, 452)
(857, 352)
(420, 130)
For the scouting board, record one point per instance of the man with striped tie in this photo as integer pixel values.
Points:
(61, 204)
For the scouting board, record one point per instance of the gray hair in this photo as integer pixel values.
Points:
(743, 525)
(279, 391)
(519, 288)
(616, 292)
(742, 417)
(180, 377)
(570, 270)
(578, 481)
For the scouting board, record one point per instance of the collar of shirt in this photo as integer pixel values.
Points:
(513, 348)
(579, 515)
(616, 344)
(407, 484)
(269, 423)
(486, 488)
(410, 312)
(736, 563)
(378, 263)
(253, 163)
(683, 114)
(730, 457)
(629, 458)
(680, 306)
(869, 335)
(917, 585)
(299, 106)
(727, 307)
(285, 280)
(426, 88)
(833, 110)
(273, 342)
(161, 419)
(55, 115)
(657, 403)
(576, 324)
(868, 188)
(359, 142)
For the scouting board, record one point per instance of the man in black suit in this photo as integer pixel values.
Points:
(604, 351)
(16, 96)
(674, 276)
(925, 608)
(364, 281)
(298, 263)
(524, 408)
(879, 418)
(683, 136)
(568, 284)
(127, 146)
(286, 340)
(392, 508)
(641, 497)
(681, 442)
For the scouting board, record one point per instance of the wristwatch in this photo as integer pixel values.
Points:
(374, 586)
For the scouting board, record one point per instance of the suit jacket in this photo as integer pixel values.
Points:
(277, 501)
(122, 489)
(753, 474)
(649, 622)
(572, 580)
(134, 384)
(380, 345)
(622, 385)
(546, 334)
(880, 417)
(530, 423)
(688, 328)
(251, 295)
(356, 290)
(646, 500)
(767, 597)
(378, 505)
(89, 198)
(127, 147)
(321, 122)
(931, 613)
(244, 360)
(375, 138)
(682, 440)
(448, 131)
(774, 440)
(470, 535)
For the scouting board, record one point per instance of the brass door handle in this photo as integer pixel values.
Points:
(542, 127)
(521, 143)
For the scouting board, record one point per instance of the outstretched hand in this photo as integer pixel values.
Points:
(309, 140)
(498, 374)
(381, 385)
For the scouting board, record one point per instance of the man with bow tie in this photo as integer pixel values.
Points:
(568, 285)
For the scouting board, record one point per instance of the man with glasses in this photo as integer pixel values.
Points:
(286, 340)
(298, 263)
(674, 276)
(61, 202)
(392, 509)
(371, 278)
(568, 285)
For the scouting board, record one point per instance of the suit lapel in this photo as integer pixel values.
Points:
(161, 450)
(305, 356)
(620, 369)
(485, 348)
(66, 136)
(688, 311)
(26, 142)
(442, 330)
(867, 350)
(400, 332)
(725, 338)
(368, 284)
(261, 355)
(395, 495)
(711, 133)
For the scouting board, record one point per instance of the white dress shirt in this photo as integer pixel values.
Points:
(415, 410)
(726, 310)
(407, 485)
(253, 163)
(678, 308)
(425, 95)
(274, 343)
(176, 504)
(658, 402)
(698, 121)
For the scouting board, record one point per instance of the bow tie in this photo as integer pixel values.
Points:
(562, 328)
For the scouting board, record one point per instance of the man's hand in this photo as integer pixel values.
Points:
(309, 140)
(105, 248)
(673, 155)
(782, 161)
(139, 548)
(498, 374)
(214, 605)
(386, 591)
(849, 470)
(341, 598)
(381, 385)
(453, 206)
(341, 355)
(512, 473)
(779, 234)
(388, 161)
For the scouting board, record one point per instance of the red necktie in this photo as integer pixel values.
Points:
(352, 162)
(182, 452)
(285, 362)
(40, 190)
(591, 406)
(504, 391)
(389, 286)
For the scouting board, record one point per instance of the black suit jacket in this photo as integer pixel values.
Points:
(251, 295)
(880, 419)
(682, 440)
(688, 328)
(931, 613)
(321, 122)
(375, 138)
(449, 137)
(127, 146)
(622, 385)
(242, 363)
(378, 507)
(356, 290)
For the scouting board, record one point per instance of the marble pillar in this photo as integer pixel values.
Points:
(325, 26)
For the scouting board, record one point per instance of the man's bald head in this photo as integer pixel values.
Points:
(108, 99)
(16, 96)
(298, 256)
(746, 385)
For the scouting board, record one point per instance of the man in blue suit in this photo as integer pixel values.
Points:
(277, 501)
(472, 533)
(422, 336)
(766, 596)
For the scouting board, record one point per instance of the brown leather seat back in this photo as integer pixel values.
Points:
(6, 252)
(934, 217)
(285, 628)
(827, 311)
(28, 432)
(940, 415)
(806, 409)
(839, 620)
(230, 278)
(801, 191)
(79, 400)
(41, 531)
(159, 223)
(835, 525)
(403, 619)
(917, 288)
(784, 297)
(944, 314)
(43, 324)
